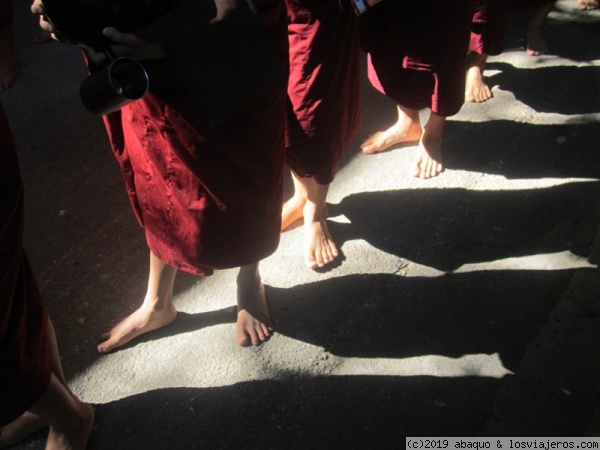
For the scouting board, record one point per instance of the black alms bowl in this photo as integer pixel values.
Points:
(82, 21)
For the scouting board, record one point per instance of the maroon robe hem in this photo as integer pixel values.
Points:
(324, 87)
(489, 27)
(417, 52)
(208, 196)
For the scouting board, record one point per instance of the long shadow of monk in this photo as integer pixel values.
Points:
(575, 39)
(295, 412)
(533, 151)
(358, 316)
(444, 230)
(447, 228)
(389, 316)
(559, 89)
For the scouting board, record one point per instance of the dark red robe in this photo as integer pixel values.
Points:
(208, 196)
(417, 52)
(24, 352)
(324, 86)
(489, 26)
(6, 13)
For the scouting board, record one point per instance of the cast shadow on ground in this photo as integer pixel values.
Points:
(557, 89)
(295, 412)
(572, 39)
(444, 230)
(389, 316)
(448, 228)
(521, 150)
(575, 40)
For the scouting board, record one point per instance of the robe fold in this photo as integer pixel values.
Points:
(489, 26)
(208, 195)
(24, 352)
(324, 86)
(417, 52)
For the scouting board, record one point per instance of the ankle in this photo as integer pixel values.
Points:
(315, 213)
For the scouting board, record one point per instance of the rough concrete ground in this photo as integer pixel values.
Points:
(463, 305)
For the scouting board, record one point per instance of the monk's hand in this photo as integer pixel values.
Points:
(125, 44)
(37, 8)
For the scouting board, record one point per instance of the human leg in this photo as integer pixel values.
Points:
(428, 163)
(69, 418)
(36, 419)
(293, 208)
(156, 311)
(310, 201)
(535, 44)
(253, 320)
(477, 91)
(320, 248)
(407, 129)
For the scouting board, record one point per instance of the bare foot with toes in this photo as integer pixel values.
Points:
(73, 434)
(535, 44)
(320, 248)
(141, 321)
(396, 134)
(428, 163)
(477, 91)
(254, 324)
(587, 4)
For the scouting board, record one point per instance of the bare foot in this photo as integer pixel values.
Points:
(476, 90)
(587, 4)
(320, 248)
(254, 324)
(20, 428)
(143, 320)
(396, 134)
(292, 211)
(535, 44)
(76, 432)
(428, 163)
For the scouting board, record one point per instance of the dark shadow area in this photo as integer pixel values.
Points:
(573, 39)
(388, 316)
(573, 90)
(520, 150)
(447, 228)
(299, 413)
